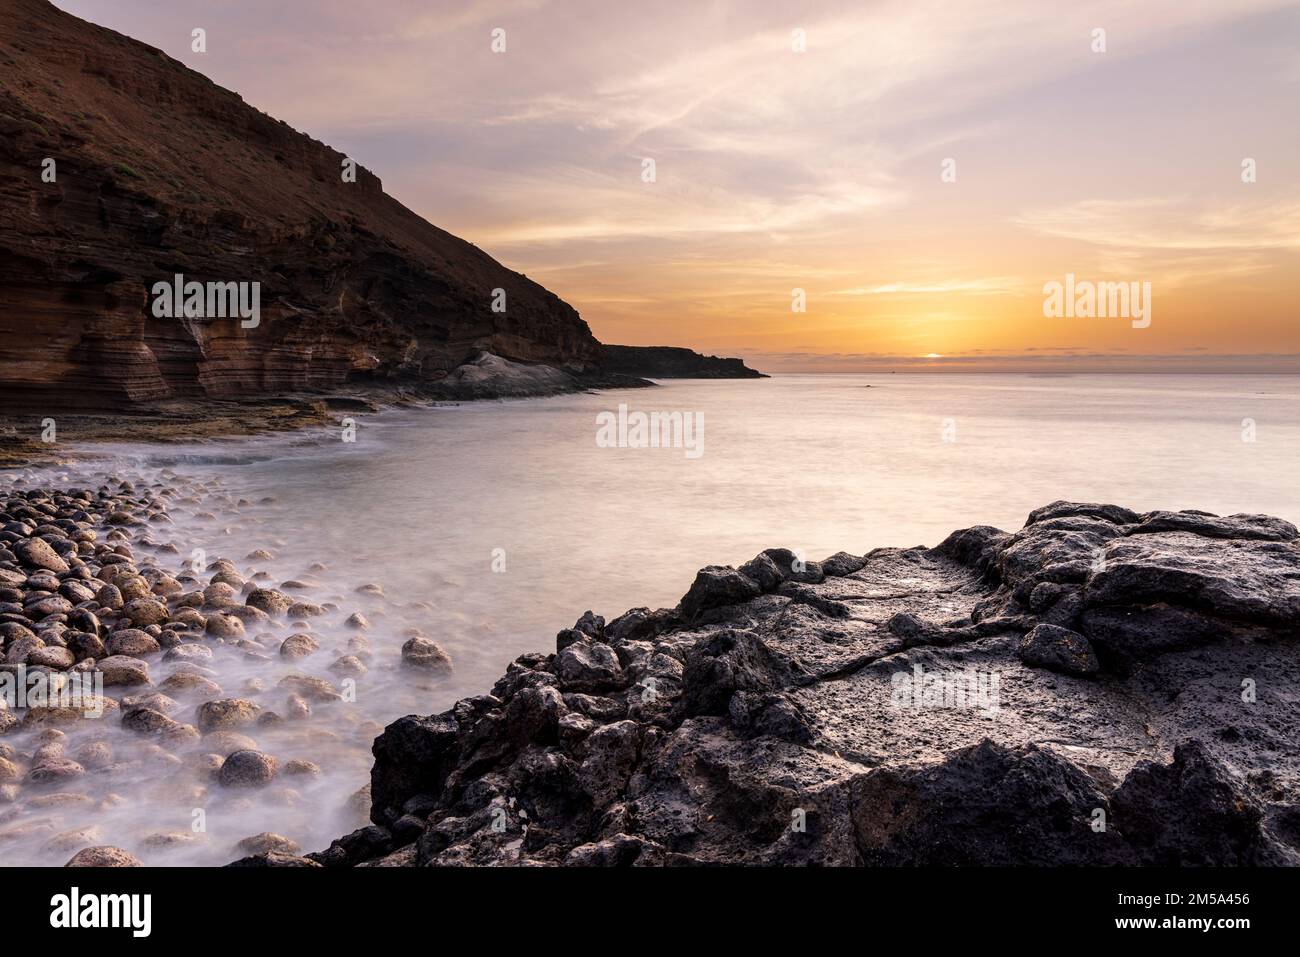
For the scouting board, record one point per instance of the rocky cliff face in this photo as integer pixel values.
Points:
(1100, 687)
(672, 362)
(158, 172)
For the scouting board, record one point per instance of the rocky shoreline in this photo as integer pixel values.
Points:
(485, 377)
(116, 634)
(1101, 687)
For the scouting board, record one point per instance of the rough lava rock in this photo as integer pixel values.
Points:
(1101, 687)
(1058, 649)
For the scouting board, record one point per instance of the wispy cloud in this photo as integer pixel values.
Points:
(1172, 224)
(993, 285)
(777, 169)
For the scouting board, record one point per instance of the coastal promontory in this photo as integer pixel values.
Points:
(123, 172)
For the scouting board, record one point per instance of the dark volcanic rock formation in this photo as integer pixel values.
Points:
(670, 362)
(1100, 687)
(158, 172)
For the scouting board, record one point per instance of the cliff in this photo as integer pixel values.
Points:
(1101, 687)
(670, 362)
(158, 172)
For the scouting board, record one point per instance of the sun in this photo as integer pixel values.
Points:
(932, 355)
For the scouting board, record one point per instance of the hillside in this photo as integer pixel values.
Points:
(159, 172)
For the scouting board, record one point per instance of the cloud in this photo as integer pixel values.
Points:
(817, 169)
(1171, 224)
(1175, 241)
(994, 285)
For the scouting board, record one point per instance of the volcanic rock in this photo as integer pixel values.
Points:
(1101, 687)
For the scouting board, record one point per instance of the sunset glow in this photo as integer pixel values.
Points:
(821, 170)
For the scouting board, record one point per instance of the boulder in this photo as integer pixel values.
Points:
(36, 553)
(717, 586)
(1058, 649)
(427, 655)
(226, 714)
(103, 856)
(123, 670)
(298, 646)
(145, 611)
(588, 666)
(247, 769)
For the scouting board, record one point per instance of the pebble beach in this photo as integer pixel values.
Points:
(217, 710)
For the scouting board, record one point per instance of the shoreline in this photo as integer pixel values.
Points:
(21, 445)
(781, 676)
(763, 720)
(163, 678)
(21, 442)
(786, 688)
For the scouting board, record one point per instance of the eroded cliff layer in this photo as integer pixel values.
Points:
(1101, 687)
(121, 168)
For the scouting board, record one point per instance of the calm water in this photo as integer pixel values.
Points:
(430, 502)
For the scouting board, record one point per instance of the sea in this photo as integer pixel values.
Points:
(490, 526)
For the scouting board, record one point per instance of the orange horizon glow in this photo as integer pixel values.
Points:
(824, 170)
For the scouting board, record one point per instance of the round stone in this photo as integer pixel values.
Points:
(247, 769)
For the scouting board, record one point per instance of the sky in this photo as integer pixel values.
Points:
(913, 174)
